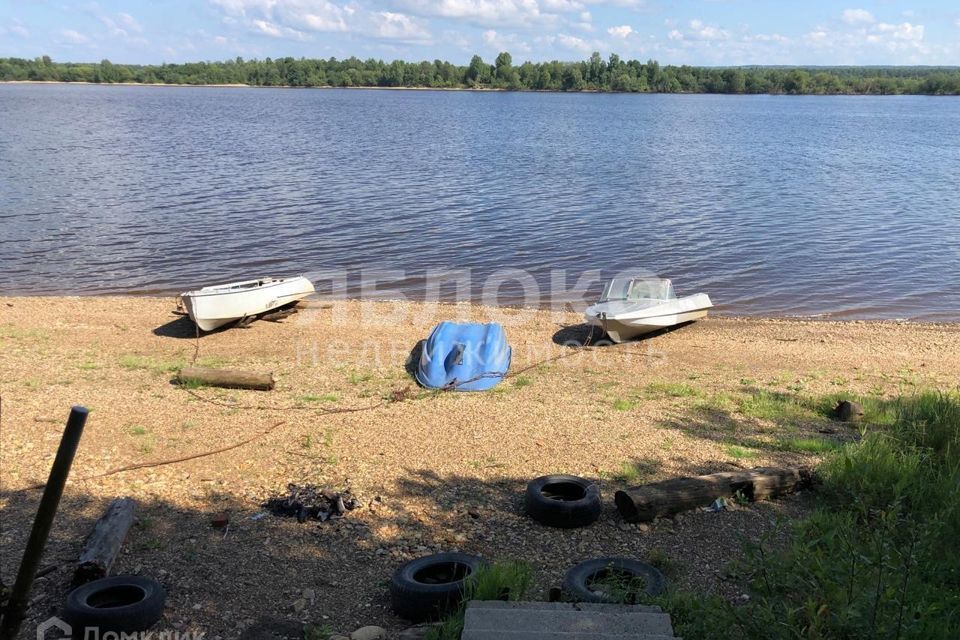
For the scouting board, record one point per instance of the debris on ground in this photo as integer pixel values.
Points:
(310, 502)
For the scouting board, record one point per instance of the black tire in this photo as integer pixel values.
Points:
(579, 583)
(563, 501)
(429, 587)
(119, 603)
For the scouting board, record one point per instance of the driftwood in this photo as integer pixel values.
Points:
(649, 501)
(104, 542)
(229, 378)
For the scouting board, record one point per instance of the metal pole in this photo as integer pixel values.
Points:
(47, 510)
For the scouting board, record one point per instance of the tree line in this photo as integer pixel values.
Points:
(594, 74)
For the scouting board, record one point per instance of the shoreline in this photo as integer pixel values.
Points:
(715, 313)
(473, 89)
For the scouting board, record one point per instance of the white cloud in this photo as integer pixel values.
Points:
(16, 29)
(675, 35)
(74, 37)
(573, 42)
(129, 22)
(903, 31)
(622, 31)
(398, 26)
(700, 31)
(586, 17)
(288, 18)
(560, 6)
(505, 42)
(957, 22)
(482, 12)
(857, 16)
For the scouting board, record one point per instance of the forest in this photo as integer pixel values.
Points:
(594, 74)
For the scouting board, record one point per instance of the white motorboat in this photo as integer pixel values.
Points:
(217, 305)
(631, 307)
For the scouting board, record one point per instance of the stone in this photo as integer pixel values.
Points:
(417, 632)
(369, 633)
(848, 411)
(299, 604)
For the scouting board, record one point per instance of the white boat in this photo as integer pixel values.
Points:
(217, 305)
(631, 307)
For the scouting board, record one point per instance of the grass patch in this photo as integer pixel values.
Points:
(740, 453)
(135, 362)
(358, 377)
(807, 445)
(617, 586)
(137, 430)
(502, 580)
(877, 559)
(327, 397)
(672, 389)
(88, 366)
(636, 471)
(776, 407)
(623, 405)
(522, 381)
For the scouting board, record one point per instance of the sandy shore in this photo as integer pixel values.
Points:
(674, 404)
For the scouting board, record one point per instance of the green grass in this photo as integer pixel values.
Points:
(502, 580)
(877, 558)
(636, 471)
(88, 366)
(740, 453)
(357, 377)
(623, 405)
(776, 407)
(136, 362)
(522, 381)
(318, 632)
(137, 430)
(672, 389)
(806, 445)
(327, 397)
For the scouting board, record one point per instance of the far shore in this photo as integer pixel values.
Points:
(277, 86)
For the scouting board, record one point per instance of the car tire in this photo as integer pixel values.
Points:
(578, 583)
(429, 587)
(118, 603)
(563, 501)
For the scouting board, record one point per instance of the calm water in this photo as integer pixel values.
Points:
(845, 206)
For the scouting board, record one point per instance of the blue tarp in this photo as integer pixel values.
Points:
(464, 357)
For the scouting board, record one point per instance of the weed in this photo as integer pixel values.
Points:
(137, 430)
(317, 631)
(806, 445)
(521, 381)
(637, 471)
(307, 441)
(623, 405)
(88, 366)
(502, 580)
(356, 377)
(672, 389)
(616, 585)
(740, 453)
(327, 397)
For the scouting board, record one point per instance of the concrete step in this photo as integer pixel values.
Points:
(631, 623)
(553, 606)
(472, 634)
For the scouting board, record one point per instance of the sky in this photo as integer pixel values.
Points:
(695, 32)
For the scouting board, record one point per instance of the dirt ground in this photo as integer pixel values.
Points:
(676, 404)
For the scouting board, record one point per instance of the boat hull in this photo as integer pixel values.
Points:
(626, 324)
(213, 307)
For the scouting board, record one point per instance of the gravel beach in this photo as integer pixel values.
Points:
(432, 471)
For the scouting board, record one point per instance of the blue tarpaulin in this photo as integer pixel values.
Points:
(464, 357)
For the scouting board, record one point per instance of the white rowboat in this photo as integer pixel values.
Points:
(217, 305)
(631, 307)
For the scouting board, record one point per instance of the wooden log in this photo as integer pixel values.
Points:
(658, 499)
(230, 378)
(104, 542)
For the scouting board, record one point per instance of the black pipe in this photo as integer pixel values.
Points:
(17, 605)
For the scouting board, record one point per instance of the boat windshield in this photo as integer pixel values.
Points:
(638, 289)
